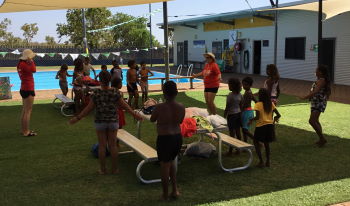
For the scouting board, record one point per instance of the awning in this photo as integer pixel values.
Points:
(39, 5)
(331, 8)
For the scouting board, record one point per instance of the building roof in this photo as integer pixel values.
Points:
(235, 14)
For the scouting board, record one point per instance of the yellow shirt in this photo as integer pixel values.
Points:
(264, 118)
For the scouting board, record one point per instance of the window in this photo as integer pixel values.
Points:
(295, 48)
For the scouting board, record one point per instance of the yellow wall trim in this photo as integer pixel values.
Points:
(239, 24)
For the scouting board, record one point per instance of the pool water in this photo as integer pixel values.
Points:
(46, 80)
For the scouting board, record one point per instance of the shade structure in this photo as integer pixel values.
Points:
(40, 5)
(331, 8)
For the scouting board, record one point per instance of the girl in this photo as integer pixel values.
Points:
(318, 96)
(272, 82)
(264, 131)
(106, 102)
(233, 109)
(212, 77)
(62, 76)
(78, 76)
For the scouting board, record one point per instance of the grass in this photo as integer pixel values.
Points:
(56, 167)
(41, 68)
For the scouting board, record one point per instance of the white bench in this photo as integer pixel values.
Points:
(67, 103)
(147, 153)
(235, 143)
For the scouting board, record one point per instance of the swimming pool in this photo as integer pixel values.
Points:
(46, 79)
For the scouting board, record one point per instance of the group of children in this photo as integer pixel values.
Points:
(240, 115)
(81, 78)
(169, 115)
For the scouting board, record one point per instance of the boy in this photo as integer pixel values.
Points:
(88, 67)
(144, 80)
(169, 116)
(233, 110)
(103, 68)
(131, 80)
(116, 71)
(247, 111)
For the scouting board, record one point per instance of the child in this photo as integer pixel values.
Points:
(144, 80)
(233, 109)
(78, 76)
(118, 84)
(62, 76)
(116, 71)
(247, 111)
(131, 80)
(87, 67)
(272, 82)
(169, 116)
(106, 101)
(264, 131)
(103, 68)
(318, 97)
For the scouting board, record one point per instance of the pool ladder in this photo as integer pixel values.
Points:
(179, 71)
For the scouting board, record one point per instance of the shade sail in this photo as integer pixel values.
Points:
(331, 8)
(39, 5)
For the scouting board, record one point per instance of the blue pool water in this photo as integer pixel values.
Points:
(46, 79)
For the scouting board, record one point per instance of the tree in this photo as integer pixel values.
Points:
(29, 31)
(50, 40)
(95, 18)
(132, 35)
(3, 28)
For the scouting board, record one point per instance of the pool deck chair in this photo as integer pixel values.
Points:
(235, 143)
(147, 153)
(67, 103)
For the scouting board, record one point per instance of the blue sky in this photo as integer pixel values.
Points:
(47, 20)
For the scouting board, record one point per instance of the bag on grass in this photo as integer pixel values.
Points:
(94, 150)
(200, 149)
(149, 106)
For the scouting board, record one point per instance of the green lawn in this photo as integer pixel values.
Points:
(56, 167)
(70, 67)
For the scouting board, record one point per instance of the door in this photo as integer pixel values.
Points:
(328, 55)
(217, 49)
(257, 57)
(185, 52)
(180, 53)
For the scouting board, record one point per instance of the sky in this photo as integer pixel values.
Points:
(47, 20)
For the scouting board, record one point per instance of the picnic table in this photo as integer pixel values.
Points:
(221, 137)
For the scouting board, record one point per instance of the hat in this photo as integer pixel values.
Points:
(26, 54)
(209, 54)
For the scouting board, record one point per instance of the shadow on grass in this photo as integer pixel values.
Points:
(56, 167)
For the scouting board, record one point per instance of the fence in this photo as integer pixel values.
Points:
(53, 55)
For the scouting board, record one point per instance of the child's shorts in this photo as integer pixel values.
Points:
(103, 126)
(168, 147)
(234, 121)
(265, 133)
(246, 116)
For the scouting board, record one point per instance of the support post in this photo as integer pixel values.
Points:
(320, 47)
(276, 35)
(166, 40)
(84, 28)
(150, 31)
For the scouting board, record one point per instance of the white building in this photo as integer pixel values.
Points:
(296, 44)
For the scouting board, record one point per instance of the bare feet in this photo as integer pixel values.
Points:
(261, 165)
(164, 197)
(114, 172)
(321, 143)
(175, 194)
(101, 172)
